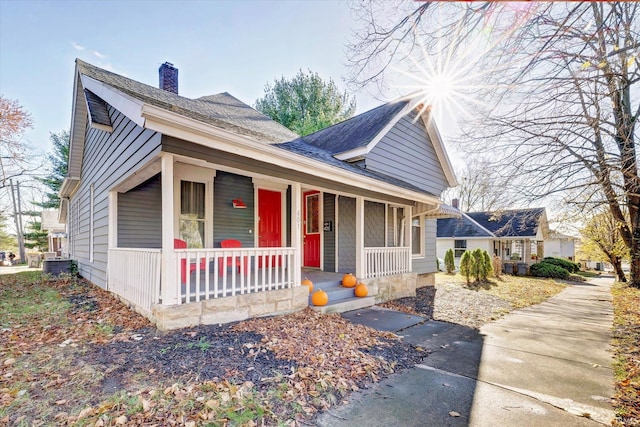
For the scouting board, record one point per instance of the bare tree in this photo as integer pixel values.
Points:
(555, 89)
(481, 188)
(16, 156)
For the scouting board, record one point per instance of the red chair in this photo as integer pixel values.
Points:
(232, 261)
(181, 244)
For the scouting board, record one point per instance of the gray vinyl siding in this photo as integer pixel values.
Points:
(406, 153)
(140, 216)
(373, 224)
(228, 222)
(329, 210)
(427, 264)
(346, 234)
(108, 158)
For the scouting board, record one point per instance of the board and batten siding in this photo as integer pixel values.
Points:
(374, 228)
(406, 153)
(108, 158)
(140, 216)
(329, 215)
(427, 263)
(346, 228)
(228, 222)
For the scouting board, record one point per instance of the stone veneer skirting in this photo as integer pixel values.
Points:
(230, 309)
(392, 287)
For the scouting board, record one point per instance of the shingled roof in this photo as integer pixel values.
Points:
(357, 131)
(221, 110)
(508, 223)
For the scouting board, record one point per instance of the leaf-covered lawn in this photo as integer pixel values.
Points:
(626, 344)
(71, 354)
(519, 291)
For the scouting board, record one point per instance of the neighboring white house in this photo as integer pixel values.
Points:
(206, 211)
(516, 235)
(560, 246)
(56, 232)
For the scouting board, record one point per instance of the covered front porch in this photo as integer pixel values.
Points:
(192, 212)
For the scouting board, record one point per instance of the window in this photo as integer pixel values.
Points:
(313, 214)
(192, 213)
(459, 247)
(416, 236)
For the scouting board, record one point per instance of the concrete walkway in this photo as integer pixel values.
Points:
(546, 365)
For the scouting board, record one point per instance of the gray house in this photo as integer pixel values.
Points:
(206, 211)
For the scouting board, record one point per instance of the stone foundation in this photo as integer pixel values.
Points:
(392, 287)
(230, 309)
(427, 279)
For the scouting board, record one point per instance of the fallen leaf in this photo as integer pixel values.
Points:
(454, 414)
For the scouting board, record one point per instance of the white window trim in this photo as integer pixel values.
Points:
(421, 254)
(187, 172)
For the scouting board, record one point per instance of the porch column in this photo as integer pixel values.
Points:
(408, 241)
(296, 228)
(526, 257)
(169, 274)
(361, 262)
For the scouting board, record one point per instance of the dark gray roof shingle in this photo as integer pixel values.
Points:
(221, 110)
(510, 223)
(357, 131)
(459, 227)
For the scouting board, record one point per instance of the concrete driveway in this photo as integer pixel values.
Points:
(546, 365)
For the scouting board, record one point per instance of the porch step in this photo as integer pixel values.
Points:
(344, 305)
(341, 299)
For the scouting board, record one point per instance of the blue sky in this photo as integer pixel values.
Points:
(218, 46)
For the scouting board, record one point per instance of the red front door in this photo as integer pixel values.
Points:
(311, 229)
(269, 220)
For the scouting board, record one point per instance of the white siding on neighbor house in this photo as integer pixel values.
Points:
(406, 152)
(560, 248)
(443, 244)
(108, 157)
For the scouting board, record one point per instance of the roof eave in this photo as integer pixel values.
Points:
(179, 126)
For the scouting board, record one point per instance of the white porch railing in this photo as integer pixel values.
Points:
(387, 261)
(134, 274)
(217, 273)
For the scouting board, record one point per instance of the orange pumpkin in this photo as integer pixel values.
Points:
(319, 298)
(308, 283)
(349, 280)
(361, 290)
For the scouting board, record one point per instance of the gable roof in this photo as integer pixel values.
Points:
(507, 223)
(462, 226)
(356, 132)
(221, 110)
(223, 122)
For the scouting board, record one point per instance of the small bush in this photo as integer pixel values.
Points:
(449, 261)
(546, 269)
(571, 267)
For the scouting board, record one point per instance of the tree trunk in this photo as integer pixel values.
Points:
(617, 267)
(635, 257)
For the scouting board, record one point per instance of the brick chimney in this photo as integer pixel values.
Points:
(168, 77)
(454, 203)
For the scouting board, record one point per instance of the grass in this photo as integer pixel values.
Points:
(519, 291)
(626, 347)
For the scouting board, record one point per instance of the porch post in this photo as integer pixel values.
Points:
(361, 263)
(169, 274)
(408, 241)
(296, 228)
